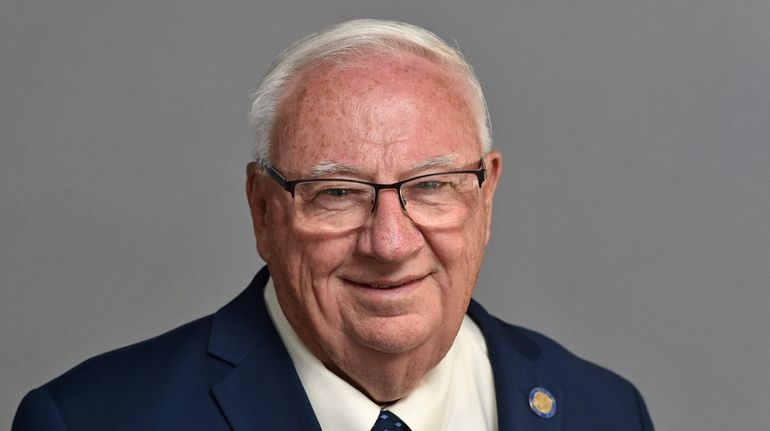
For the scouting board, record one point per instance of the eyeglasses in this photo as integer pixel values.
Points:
(432, 200)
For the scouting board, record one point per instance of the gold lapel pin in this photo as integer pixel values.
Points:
(542, 402)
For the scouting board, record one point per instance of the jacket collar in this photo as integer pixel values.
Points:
(243, 335)
(516, 363)
(263, 391)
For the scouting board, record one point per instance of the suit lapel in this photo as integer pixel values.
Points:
(514, 359)
(263, 391)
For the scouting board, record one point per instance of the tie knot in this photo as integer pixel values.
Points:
(388, 421)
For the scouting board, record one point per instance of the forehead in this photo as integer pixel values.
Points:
(373, 112)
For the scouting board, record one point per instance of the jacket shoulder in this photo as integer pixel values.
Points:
(558, 360)
(133, 387)
(598, 398)
(551, 358)
(137, 362)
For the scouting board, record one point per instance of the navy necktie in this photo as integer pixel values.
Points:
(388, 421)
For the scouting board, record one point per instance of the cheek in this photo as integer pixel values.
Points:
(324, 255)
(459, 252)
(307, 256)
(461, 248)
(305, 262)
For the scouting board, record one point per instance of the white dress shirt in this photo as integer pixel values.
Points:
(457, 394)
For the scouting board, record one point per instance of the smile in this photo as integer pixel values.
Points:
(388, 284)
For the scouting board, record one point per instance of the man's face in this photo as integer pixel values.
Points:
(391, 286)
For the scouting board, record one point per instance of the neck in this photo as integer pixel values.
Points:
(383, 377)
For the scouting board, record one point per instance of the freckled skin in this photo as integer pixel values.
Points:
(382, 115)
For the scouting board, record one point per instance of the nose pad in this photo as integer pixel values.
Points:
(385, 220)
(390, 235)
(401, 200)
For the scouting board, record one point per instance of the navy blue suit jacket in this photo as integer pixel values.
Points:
(230, 371)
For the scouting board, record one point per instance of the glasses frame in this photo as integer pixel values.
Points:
(290, 185)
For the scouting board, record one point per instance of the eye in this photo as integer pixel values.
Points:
(430, 185)
(336, 195)
(335, 192)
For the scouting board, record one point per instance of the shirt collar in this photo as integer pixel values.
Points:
(340, 406)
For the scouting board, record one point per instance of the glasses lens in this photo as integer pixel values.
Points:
(333, 205)
(433, 200)
(441, 199)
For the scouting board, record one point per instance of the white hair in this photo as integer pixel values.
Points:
(341, 42)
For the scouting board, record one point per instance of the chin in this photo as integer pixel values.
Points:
(399, 334)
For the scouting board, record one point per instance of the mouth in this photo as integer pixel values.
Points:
(387, 284)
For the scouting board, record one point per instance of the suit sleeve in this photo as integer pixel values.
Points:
(38, 412)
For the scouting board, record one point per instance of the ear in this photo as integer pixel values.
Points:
(256, 193)
(494, 165)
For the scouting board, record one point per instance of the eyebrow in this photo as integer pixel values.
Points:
(327, 167)
(446, 161)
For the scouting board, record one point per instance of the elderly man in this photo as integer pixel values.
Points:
(371, 200)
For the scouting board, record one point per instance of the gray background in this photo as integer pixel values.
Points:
(631, 223)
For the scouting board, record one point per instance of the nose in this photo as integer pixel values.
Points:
(389, 235)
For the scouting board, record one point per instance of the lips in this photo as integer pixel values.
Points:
(385, 284)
